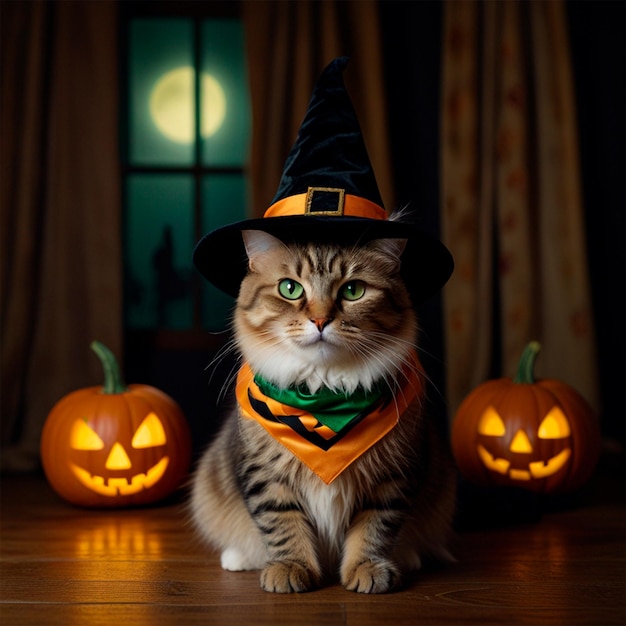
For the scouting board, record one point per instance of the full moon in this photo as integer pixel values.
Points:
(172, 105)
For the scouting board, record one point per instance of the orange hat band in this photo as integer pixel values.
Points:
(326, 201)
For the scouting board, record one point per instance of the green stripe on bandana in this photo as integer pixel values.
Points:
(333, 409)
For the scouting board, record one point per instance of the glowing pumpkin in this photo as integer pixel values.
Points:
(115, 446)
(540, 435)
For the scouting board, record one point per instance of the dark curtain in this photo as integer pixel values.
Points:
(60, 212)
(289, 44)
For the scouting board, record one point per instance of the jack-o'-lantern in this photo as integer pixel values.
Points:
(115, 446)
(540, 435)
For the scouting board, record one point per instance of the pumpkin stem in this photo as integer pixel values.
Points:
(525, 368)
(113, 382)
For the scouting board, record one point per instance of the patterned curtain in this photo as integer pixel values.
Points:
(511, 195)
(289, 44)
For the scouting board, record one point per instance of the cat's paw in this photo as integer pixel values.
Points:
(233, 560)
(287, 577)
(371, 576)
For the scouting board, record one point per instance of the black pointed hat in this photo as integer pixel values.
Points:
(329, 151)
(327, 193)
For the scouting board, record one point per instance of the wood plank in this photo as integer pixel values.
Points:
(296, 611)
(65, 565)
(137, 583)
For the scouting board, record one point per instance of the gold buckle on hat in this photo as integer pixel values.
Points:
(322, 197)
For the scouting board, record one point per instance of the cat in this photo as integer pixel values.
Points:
(322, 317)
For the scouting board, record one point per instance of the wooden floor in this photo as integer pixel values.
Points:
(67, 566)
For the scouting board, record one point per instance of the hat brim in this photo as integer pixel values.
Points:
(221, 258)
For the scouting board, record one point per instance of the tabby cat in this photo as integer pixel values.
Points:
(320, 318)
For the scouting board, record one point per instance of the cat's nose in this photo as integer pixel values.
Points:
(322, 322)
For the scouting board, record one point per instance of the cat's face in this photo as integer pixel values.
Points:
(323, 314)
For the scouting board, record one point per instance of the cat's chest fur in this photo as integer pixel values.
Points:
(292, 368)
(331, 506)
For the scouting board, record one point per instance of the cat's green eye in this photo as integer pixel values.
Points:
(353, 290)
(290, 289)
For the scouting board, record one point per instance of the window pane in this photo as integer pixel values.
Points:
(224, 93)
(159, 239)
(161, 89)
(223, 202)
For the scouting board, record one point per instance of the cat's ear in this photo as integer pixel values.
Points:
(393, 248)
(259, 245)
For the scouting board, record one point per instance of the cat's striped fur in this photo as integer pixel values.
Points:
(254, 500)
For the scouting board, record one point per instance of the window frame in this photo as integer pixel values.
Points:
(196, 337)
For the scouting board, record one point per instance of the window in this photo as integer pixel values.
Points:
(185, 149)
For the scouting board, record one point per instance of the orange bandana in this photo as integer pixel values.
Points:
(324, 451)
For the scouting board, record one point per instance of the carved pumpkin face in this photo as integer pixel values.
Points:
(116, 468)
(538, 435)
(118, 448)
(526, 451)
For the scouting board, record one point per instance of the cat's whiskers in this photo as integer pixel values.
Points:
(376, 350)
(228, 350)
(385, 340)
(224, 351)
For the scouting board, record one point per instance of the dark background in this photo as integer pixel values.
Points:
(412, 57)
(412, 43)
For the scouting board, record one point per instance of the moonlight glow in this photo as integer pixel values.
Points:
(172, 105)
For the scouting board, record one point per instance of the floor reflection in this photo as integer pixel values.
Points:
(119, 537)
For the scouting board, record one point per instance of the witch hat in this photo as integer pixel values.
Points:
(327, 193)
